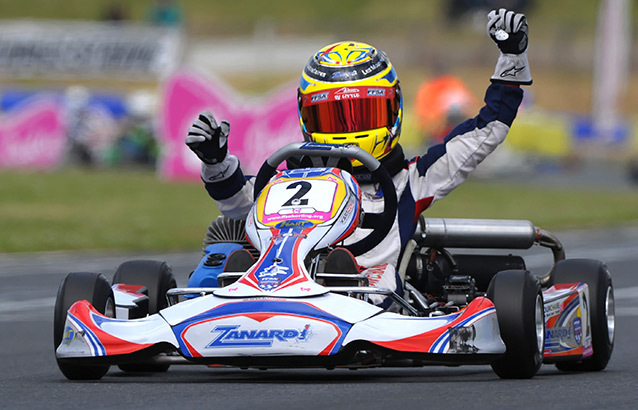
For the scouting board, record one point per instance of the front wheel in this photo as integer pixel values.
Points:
(156, 276)
(601, 310)
(94, 288)
(518, 300)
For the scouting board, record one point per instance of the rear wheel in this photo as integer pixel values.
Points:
(601, 309)
(94, 288)
(157, 277)
(518, 300)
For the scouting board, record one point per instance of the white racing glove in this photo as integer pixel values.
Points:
(209, 141)
(510, 32)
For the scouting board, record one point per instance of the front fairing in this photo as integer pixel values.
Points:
(214, 327)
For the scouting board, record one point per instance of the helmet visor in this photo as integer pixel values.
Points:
(349, 109)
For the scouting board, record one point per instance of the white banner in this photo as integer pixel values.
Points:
(31, 48)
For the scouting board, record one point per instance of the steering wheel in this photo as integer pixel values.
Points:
(380, 223)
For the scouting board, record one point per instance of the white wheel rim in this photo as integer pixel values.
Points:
(109, 309)
(540, 324)
(610, 313)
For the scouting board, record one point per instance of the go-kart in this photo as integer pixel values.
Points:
(284, 310)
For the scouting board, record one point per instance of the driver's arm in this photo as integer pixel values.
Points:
(445, 166)
(221, 173)
(234, 196)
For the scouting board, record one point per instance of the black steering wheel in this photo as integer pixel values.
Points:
(380, 223)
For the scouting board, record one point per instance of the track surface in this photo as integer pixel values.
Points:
(30, 378)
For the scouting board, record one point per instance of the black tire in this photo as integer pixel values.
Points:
(95, 288)
(157, 277)
(601, 309)
(518, 299)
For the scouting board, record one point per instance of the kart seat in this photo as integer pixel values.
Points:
(239, 261)
(341, 260)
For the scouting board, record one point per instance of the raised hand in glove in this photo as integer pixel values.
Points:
(207, 139)
(510, 32)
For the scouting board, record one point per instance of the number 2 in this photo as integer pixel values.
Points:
(296, 199)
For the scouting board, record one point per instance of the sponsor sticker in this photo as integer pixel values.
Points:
(347, 212)
(314, 146)
(344, 75)
(312, 70)
(376, 92)
(319, 97)
(578, 332)
(272, 276)
(234, 336)
(294, 224)
(558, 333)
(552, 309)
(69, 335)
(372, 67)
(346, 93)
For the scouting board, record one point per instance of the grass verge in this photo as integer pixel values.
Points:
(133, 210)
(79, 209)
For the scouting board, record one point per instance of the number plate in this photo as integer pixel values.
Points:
(308, 199)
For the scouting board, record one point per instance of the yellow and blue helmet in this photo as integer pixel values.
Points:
(349, 94)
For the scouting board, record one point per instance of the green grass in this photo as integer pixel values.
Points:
(100, 210)
(550, 208)
(133, 210)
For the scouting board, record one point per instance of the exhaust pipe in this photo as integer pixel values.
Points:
(478, 233)
(488, 233)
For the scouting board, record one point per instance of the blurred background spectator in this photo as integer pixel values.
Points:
(442, 103)
(115, 12)
(166, 13)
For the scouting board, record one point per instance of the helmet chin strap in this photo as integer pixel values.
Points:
(393, 162)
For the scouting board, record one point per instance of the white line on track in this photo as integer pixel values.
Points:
(13, 311)
(618, 254)
(626, 311)
(626, 293)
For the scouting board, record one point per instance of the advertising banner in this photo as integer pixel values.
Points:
(30, 48)
(33, 136)
(258, 127)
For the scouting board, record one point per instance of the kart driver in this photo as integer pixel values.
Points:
(349, 94)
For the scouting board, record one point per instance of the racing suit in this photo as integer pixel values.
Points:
(419, 182)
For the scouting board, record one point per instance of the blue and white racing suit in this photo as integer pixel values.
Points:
(421, 182)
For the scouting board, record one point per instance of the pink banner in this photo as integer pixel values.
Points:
(33, 136)
(257, 127)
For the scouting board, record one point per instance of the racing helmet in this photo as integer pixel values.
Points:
(349, 94)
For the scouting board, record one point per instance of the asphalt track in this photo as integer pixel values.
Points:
(30, 378)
